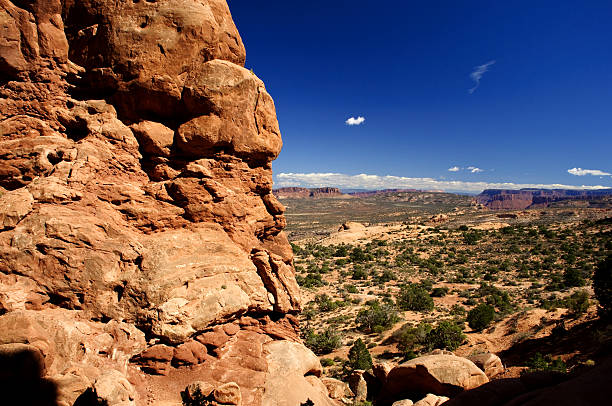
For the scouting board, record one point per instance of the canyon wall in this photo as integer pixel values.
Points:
(141, 247)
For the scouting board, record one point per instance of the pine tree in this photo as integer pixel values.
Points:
(359, 356)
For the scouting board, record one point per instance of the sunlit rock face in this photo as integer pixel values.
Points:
(139, 232)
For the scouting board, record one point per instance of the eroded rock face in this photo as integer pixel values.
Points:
(138, 229)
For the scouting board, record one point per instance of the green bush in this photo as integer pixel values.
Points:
(416, 298)
(311, 280)
(325, 303)
(546, 363)
(573, 277)
(376, 317)
(602, 285)
(481, 316)
(446, 335)
(351, 288)
(410, 339)
(359, 273)
(359, 356)
(439, 292)
(324, 342)
(578, 303)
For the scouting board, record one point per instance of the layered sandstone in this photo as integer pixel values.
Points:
(141, 247)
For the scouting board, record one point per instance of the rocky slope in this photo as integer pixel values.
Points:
(141, 247)
(500, 199)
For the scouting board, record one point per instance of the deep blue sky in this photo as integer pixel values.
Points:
(543, 108)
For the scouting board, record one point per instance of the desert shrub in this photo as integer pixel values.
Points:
(310, 280)
(386, 276)
(439, 292)
(496, 297)
(325, 303)
(359, 273)
(578, 303)
(472, 237)
(573, 277)
(351, 288)
(324, 342)
(359, 356)
(481, 316)
(376, 317)
(341, 251)
(327, 362)
(410, 339)
(416, 298)
(357, 254)
(546, 363)
(602, 285)
(446, 335)
(457, 310)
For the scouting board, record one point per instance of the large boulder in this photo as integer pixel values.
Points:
(491, 364)
(444, 375)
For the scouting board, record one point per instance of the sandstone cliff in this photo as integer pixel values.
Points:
(141, 247)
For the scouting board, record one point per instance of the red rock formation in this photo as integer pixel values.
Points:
(498, 199)
(137, 210)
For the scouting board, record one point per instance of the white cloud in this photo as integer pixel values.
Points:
(373, 182)
(472, 169)
(584, 172)
(476, 75)
(355, 121)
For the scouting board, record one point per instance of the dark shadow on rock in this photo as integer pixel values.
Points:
(22, 381)
(590, 386)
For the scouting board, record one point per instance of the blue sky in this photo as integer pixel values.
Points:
(542, 107)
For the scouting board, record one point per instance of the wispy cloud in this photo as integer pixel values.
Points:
(476, 75)
(585, 172)
(365, 181)
(355, 121)
(454, 169)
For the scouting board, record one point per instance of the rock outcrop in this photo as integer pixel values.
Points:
(501, 199)
(438, 374)
(141, 247)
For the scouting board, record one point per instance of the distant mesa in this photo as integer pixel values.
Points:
(303, 193)
(504, 199)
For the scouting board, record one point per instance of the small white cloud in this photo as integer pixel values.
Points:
(585, 172)
(474, 169)
(355, 121)
(476, 75)
(454, 169)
